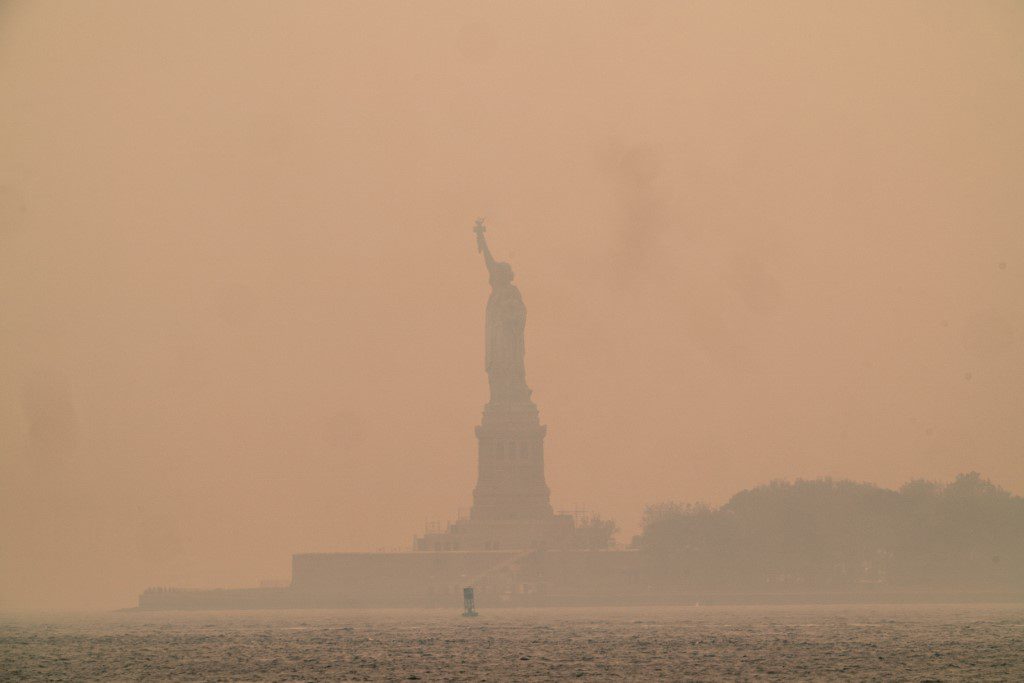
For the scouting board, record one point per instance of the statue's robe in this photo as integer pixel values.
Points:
(505, 351)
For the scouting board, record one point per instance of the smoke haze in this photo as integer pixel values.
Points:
(242, 308)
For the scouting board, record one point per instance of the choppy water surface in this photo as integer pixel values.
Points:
(834, 642)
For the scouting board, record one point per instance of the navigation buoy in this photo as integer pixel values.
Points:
(469, 602)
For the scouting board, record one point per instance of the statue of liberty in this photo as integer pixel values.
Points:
(505, 348)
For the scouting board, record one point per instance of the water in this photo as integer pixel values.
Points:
(948, 642)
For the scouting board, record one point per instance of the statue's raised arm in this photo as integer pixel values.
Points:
(481, 243)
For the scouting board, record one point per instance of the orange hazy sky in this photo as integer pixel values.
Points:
(241, 307)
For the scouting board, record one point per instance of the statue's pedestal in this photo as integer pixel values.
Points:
(510, 471)
(511, 501)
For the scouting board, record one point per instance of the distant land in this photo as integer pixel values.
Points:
(820, 541)
(828, 535)
(806, 541)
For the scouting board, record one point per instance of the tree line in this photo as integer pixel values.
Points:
(827, 534)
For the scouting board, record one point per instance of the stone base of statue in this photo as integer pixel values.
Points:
(510, 472)
(511, 502)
